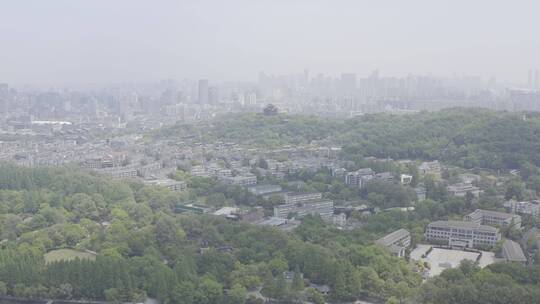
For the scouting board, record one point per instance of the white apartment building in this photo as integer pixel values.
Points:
(462, 233)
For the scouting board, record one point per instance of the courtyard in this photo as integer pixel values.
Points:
(440, 259)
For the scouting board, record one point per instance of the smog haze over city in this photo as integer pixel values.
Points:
(62, 42)
(284, 152)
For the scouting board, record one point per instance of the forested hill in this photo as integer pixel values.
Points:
(257, 129)
(465, 137)
(133, 244)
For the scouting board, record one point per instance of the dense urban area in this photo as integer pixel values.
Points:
(296, 189)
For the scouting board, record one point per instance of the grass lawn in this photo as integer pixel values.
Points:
(66, 255)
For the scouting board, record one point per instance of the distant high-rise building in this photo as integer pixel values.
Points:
(180, 97)
(251, 98)
(306, 77)
(4, 88)
(348, 82)
(262, 79)
(4, 104)
(536, 80)
(530, 79)
(213, 95)
(203, 91)
(239, 97)
(126, 104)
(167, 97)
(374, 75)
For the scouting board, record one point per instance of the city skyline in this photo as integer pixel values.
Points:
(530, 80)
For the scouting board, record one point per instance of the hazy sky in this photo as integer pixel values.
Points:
(100, 41)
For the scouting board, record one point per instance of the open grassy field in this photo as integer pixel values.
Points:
(66, 255)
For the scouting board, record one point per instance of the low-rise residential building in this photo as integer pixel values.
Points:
(280, 223)
(360, 177)
(149, 169)
(199, 171)
(222, 172)
(227, 211)
(293, 198)
(322, 289)
(531, 208)
(171, 184)
(192, 208)
(232, 213)
(264, 189)
(494, 218)
(461, 190)
(93, 163)
(289, 276)
(462, 233)
(339, 172)
(241, 180)
(120, 172)
(432, 168)
(256, 214)
(325, 209)
(384, 176)
(405, 179)
(273, 222)
(470, 178)
(512, 252)
(421, 193)
(396, 242)
(340, 219)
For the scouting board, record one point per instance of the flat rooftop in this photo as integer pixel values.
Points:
(392, 237)
(461, 224)
(514, 251)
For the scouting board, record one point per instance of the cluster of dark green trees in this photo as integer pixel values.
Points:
(502, 283)
(28, 276)
(255, 129)
(145, 249)
(465, 137)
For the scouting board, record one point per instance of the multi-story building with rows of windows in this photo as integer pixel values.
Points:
(531, 208)
(462, 234)
(292, 198)
(494, 218)
(323, 208)
(397, 242)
